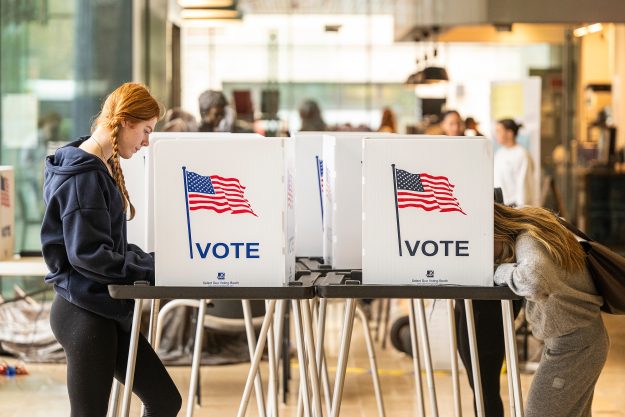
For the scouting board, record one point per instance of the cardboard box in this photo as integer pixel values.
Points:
(428, 211)
(7, 212)
(309, 196)
(342, 158)
(223, 211)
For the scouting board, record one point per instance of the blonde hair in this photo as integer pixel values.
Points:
(131, 103)
(543, 226)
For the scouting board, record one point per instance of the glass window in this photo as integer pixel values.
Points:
(59, 60)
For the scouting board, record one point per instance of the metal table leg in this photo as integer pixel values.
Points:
(132, 357)
(310, 347)
(155, 306)
(387, 321)
(320, 351)
(114, 400)
(278, 326)
(427, 357)
(301, 357)
(475, 361)
(251, 344)
(197, 355)
(375, 377)
(416, 363)
(258, 353)
(511, 354)
(346, 338)
(453, 351)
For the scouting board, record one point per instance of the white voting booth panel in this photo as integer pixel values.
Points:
(342, 205)
(428, 211)
(223, 211)
(147, 217)
(134, 170)
(309, 196)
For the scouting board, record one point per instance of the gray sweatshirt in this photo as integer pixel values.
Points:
(558, 302)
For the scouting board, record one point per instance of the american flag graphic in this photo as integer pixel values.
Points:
(290, 191)
(320, 172)
(426, 192)
(213, 192)
(320, 182)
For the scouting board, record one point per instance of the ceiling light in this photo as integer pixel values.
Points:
(207, 14)
(585, 30)
(432, 75)
(205, 3)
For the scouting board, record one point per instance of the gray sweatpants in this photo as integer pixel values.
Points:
(564, 383)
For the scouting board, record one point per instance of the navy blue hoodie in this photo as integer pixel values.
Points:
(83, 235)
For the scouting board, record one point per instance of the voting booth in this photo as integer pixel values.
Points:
(342, 197)
(427, 211)
(222, 211)
(309, 197)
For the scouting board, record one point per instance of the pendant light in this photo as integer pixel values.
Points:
(435, 74)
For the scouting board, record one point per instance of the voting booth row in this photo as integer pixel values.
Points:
(323, 215)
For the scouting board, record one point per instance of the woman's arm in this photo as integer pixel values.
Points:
(90, 251)
(530, 276)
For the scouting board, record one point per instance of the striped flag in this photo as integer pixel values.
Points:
(426, 192)
(319, 163)
(216, 193)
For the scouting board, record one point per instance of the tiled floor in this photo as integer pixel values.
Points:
(43, 392)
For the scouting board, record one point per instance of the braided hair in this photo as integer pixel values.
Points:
(131, 103)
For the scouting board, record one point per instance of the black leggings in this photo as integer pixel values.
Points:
(97, 350)
(490, 346)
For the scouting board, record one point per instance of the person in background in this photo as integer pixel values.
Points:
(514, 168)
(387, 124)
(178, 120)
(471, 127)
(488, 322)
(84, 245)
(541, 260)
(310, 114)
(212, 110)
(451, 123)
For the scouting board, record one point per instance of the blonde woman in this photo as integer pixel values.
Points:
(83, 237)
(542, 261)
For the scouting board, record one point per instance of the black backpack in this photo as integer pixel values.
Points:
(607, 269)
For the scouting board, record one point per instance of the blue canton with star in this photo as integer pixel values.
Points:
(408, 181)
(199, 183)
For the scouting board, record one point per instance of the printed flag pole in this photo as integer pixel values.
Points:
(397, 209)
(186, 198)
(319, 179)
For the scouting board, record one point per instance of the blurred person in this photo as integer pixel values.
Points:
(539, 259)
(451, 123)
(387, 124)
(488, 322)
(310, 114)
(176, 125)
(514, 168)
(228, 122)
(212, 110)
(183, 121)
(471, 127)
(84, 245)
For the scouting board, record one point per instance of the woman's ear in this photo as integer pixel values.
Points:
(123, 123)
